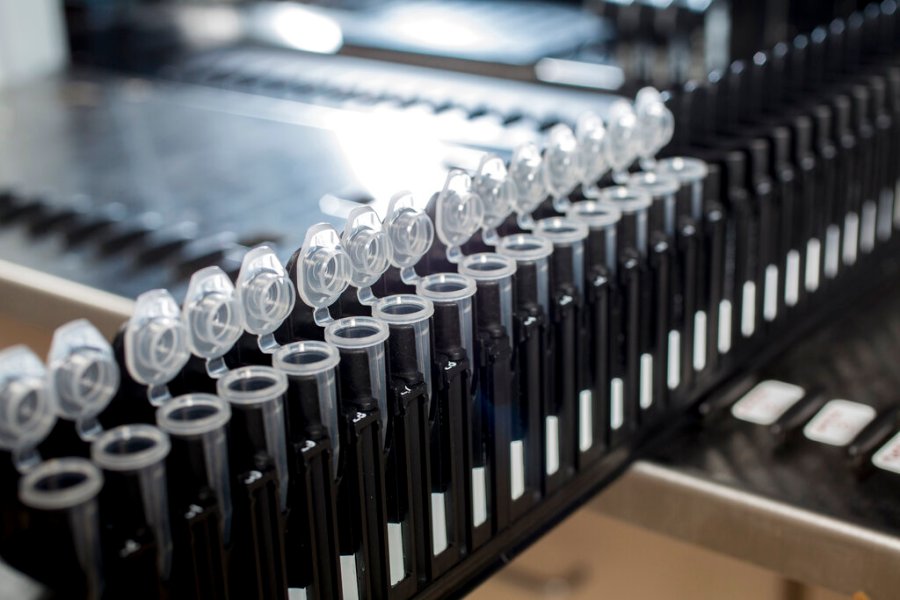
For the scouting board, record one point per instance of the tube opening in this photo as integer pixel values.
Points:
(130, 447)
(193, 414)
(60, 484)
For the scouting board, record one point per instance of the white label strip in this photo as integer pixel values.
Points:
(770, 297)
(673, 368)
(438, 522)
(585, 420)
(296, 593)
(348, 577)
(552, 449)
(851, 238)
(748, 314)
(888, 456)
(516, 469)
(479, 496)
(766, 402)
(646, 380)
(792, 278)
(395, 552)
(885, 215)
(813, 256)
(868, 226)
(699, 340)
(724, 326)
(616, 403)
(838, 422)
(832, 251)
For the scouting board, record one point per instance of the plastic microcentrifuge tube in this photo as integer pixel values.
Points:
(410, 233)
(368, 247)
(155, 343)
(662, 190)
(63, 494)
(451, 294)
(622, 138)
(311, 406)
(602, 221)
(323, 270)
(26, 410)
(83, 375)
(409, 316)
(212, 317)
(526, 172)
(690, 173)
(561, 165)
(265, 294)
(567, 236)
(361, 343)
(655, 123)
(590, 133)
(531, 254)
(493, 275)
(196, 424)
(134, 460)
(497, 191)
(459, 213)
(634, 206)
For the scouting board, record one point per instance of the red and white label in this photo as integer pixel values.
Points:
(766, 402)
(888, 456)
(838, 422)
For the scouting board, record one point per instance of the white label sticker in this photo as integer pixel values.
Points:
(673, 367)
(770, 300)
(616, 403)
(551, 452)
(888, 456)
(766, 402)
(813, 256)
(748, 315)
(724, 326)
(832, 251)
(699, 340)
(851, 238)
(585, 420)
(839, 422)
(792, 278)
(868, 226)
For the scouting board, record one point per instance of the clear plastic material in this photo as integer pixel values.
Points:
(452, 288)
(660, 188)
(71, 485)
(634, 203)
(561, 165)
(265, 294)
(323, 270)
(204, 417)
(590, 133)
(599, 216)
(262, 389)
(497, 192)
(409, 230)
(319, 360)
(622, 138)
(565, 232)
(497, 269)
(689, 172)
(156, 346)
(142, 450)
(83, 375)
(368, 334)
(459, 213)
(212, 317)
(526, 172)
(526, 248)
(367, 246)
(27, 413)
(656, 125)
(415, 311)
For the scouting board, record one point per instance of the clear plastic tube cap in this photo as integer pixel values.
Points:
(265, 293)
(561, 164)
(496, 190)
(211, 313)
(487, 266)
(525, 247)
(409, 230)
(596, 215)
(323, 271)
(655, 184)
(192, 415)
(446, 287)
(686, 169)
(356, 332)
(130, 448)
(459, 211)
(621, 133)
(526, 172)
(60, 484)
(83, 373)
(656, 124)
(252, 385)
(26, 410)
(367, 245)
(590, 134)
(627, 200)
(561, 231)
(156, 346)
